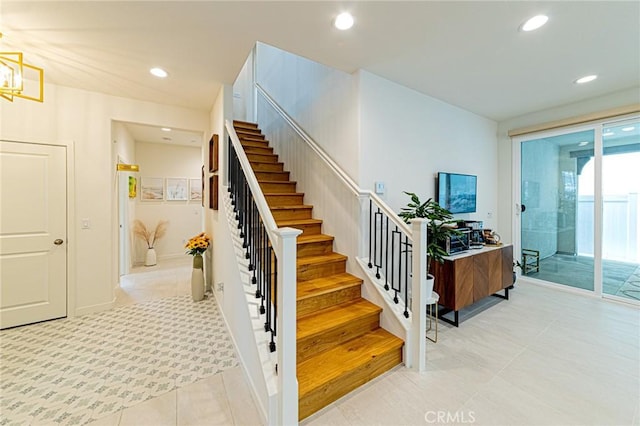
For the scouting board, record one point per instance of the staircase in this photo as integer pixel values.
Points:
(340, 344)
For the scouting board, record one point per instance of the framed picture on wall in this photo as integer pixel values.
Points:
(151, 189)
(202, 183)
(213, 192)
(213, 153)
(177, 189)
(195, 189)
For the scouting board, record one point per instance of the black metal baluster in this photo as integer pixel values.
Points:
(395, 234)
(406, 276)
(370, 236)
(377, 250)
(386, 255)
(274, 325)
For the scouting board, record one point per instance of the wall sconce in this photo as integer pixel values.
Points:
(120, 167)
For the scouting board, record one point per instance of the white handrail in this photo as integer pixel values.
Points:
(252, 181)
(353, 187)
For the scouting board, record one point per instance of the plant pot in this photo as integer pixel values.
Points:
(150, 259)
(430, 282)
(197, 279)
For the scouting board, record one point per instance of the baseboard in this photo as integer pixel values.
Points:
(92, 309)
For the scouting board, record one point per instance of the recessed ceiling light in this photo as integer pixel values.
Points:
(534, 23)
(165, 129)
(166, 139)
(627, 129)
(344, 21)
(158, 72)
(586, 79)
(583, 143)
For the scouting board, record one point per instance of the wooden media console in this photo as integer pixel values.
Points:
(470, 276)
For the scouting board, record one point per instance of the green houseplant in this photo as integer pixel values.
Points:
(439, 221)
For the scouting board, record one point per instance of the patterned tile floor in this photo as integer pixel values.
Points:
(74, 370)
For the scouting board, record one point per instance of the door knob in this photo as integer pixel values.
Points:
(58, 242)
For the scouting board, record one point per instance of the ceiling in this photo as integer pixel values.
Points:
(469, 54)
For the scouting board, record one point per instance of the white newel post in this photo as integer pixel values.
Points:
(418, 295)
(286, 343)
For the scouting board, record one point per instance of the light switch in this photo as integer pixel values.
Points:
(380, 188)
(85, 224)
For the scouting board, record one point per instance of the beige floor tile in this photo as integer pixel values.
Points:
(204, 403)
(243, 408)
(110, 420)
(160, 411)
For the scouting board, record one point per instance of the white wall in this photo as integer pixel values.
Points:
(184, 217)
(243, 92)
(320, 99)
(506, 203)
(82, 121)
(407, 137)
(124, 147)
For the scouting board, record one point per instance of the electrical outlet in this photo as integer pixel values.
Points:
(220, 286)
(85, 224)
(489, 215)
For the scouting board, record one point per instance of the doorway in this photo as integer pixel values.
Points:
(579, 216)
(33, 233)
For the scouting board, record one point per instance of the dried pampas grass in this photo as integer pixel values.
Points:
(148, 236)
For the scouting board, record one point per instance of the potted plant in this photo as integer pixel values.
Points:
(150, 238)
(196, 246)
(439, 227)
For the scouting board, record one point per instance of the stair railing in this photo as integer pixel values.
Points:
(271, 256)
(386, 245)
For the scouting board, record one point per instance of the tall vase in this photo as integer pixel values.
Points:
(197, 279)
(150, 259)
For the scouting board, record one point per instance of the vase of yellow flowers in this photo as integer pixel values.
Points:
(196, 246)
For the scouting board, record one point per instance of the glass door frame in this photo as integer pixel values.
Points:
(516, 142)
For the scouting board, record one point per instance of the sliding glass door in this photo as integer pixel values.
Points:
(580, 214)
(621, 209)
(556, 238)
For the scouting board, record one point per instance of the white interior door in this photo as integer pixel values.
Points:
(33, 233)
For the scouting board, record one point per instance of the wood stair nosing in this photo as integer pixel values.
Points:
(291, 212)
(311, 267)
(245, 124)
(328, 376)
(314, 245)
(247, 142)
(307, 226)
(284, 199)
(266, 166)
(321, 293)
(320, 331)
(266, 150)
(271, 176)
(262, 158)
(278, 186)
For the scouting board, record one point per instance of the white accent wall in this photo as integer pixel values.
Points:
(82, 120)
(408, 137)
(185, 217)
(320, 99)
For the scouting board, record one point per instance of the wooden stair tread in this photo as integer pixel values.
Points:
(323, 285)
(334, 316)
(278, 194)
(321, 369)
(245, 123)
(282, 182)
(319, 259)
(293, 222)
(295, 206)
(310, 239)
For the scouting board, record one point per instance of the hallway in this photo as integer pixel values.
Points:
(149, 361)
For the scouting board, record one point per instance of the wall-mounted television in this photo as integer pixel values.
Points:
(457, 192)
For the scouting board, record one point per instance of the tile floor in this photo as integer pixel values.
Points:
(545, 357)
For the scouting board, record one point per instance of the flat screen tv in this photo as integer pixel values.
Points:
(457, 192)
